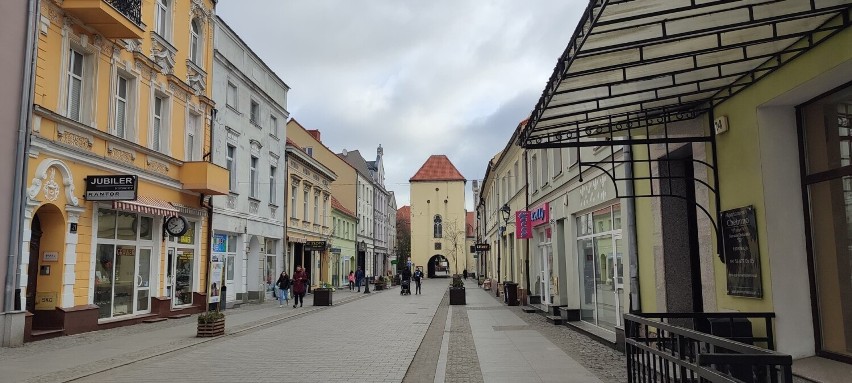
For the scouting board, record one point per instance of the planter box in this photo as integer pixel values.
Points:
(457, 296)
(322, 297)
(214, 328)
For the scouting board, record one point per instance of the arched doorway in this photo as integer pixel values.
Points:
(438, 267)
(45, 269)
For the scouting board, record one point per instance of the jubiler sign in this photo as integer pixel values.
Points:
(111, 188)
(742, 256)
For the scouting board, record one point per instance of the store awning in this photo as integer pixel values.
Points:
(636, 63)
(146, 205)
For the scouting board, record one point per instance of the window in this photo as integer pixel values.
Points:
(75, 85)
(254, 116)
(121, 107)
(534, 177)
(231, 97)
(156, 138)
(162, 17)
(194, 42)
(544, 173)
(190, 143)
(316, 209)
(273, 125)
(231, 163)
(438, 229)
(437, 245)
(191, 134)
(557, 161)
(305, 206)
(309, 151)
(293, 191)
(324, 211)
(272, 190)
(253, 177)
(516, 181)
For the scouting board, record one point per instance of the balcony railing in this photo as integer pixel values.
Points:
(132, 9)
(703, 347)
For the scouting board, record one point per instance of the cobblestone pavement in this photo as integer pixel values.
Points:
(462, 360)
(425, 363)
(374, 340)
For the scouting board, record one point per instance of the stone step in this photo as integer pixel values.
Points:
(178, 316)
(154, 320)
(555, 319)
(529, 309)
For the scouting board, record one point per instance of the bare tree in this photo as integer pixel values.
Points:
(454, 236)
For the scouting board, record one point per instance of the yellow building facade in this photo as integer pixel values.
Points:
(438, 218)
(121, 102)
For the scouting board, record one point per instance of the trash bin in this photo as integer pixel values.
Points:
(510, 294)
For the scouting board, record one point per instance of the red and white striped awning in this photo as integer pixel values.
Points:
(146, 205)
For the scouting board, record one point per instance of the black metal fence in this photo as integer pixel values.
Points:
(694, 347)
(132, 9)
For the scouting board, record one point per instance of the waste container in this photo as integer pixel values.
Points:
(510, 294)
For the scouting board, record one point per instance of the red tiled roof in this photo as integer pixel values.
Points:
(335, 204)
(470, 218)
(438, 168)
(404, 213)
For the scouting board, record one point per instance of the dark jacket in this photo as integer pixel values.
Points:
(359, 275)
(406, 275)
(283, 282)
(300, 278)
(417, 275)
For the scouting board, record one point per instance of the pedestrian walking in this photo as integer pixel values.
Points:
(351, 280)
(359, 277)
(418, 274)
(464, 273)
(300, 280)
(283, 285)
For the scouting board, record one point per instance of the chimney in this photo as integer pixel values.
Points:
(315, 134)
(344, 153)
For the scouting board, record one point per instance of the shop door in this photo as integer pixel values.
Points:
(170, 272)
(231, 291)
(182, 277)
(544, 277)
(143, 280)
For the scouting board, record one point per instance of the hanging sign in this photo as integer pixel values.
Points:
(482, 247)
(742, 256)
(314, 245)
(523, 225)
(111, 188)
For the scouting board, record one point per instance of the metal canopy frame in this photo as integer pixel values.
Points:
(634, 67)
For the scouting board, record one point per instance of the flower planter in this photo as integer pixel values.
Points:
(457, 296)
(210, 329)
(322, 297)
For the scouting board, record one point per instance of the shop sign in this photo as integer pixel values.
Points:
(742, 256)
(314, 245)
(523, 225)
(220, 242)
(50, 256)
(482, 247)
(45, 301)
(217, 264)
(540, 215)
(335, 250)
(111, 188)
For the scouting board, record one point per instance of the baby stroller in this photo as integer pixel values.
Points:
(406, 287)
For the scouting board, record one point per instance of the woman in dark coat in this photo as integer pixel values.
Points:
(283, 285)
(299, 280)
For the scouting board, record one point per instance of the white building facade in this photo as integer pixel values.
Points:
(248, 140)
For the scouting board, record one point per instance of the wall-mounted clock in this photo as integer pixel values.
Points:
(176, 226)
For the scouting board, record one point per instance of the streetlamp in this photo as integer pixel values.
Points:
(504, 213)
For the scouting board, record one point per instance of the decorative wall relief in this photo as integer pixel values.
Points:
(120, 154)
(158, 167)
(51, 187)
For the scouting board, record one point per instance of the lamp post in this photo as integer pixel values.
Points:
(504, 213)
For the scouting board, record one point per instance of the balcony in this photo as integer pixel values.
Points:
(111, 18)
(205, 177)
(704, 347)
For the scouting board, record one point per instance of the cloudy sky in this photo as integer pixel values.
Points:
(449, 77)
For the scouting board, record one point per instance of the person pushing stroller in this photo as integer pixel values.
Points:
(406, 282)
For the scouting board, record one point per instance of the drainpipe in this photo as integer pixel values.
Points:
(632, 245)
(527, 207)
(209, 207)
(13, 274)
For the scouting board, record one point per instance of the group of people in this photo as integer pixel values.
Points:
(298, 283)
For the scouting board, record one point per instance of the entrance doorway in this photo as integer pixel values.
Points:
(545, 258)
(439, 267)
(32, 269)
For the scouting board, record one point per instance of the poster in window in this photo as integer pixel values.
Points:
(742, 256)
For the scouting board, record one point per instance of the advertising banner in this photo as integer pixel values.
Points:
(217, 264)
(523, 225)
(742, 256)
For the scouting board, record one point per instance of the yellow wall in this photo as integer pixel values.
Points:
(426, 202)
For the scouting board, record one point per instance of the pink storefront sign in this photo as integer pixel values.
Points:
(540, 215)
(523, 228)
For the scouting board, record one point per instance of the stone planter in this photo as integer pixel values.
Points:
(322, 297)
(214, 328)
(457, 296)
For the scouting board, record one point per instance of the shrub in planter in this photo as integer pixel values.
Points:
(211, 323)
(457, 293)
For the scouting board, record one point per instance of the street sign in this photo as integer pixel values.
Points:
(111, 188)
(482, 247)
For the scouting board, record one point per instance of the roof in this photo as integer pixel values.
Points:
(356, 160)
(437, 168)
(404, 213)
(470, 220)
(632, 64)
(335, 204)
